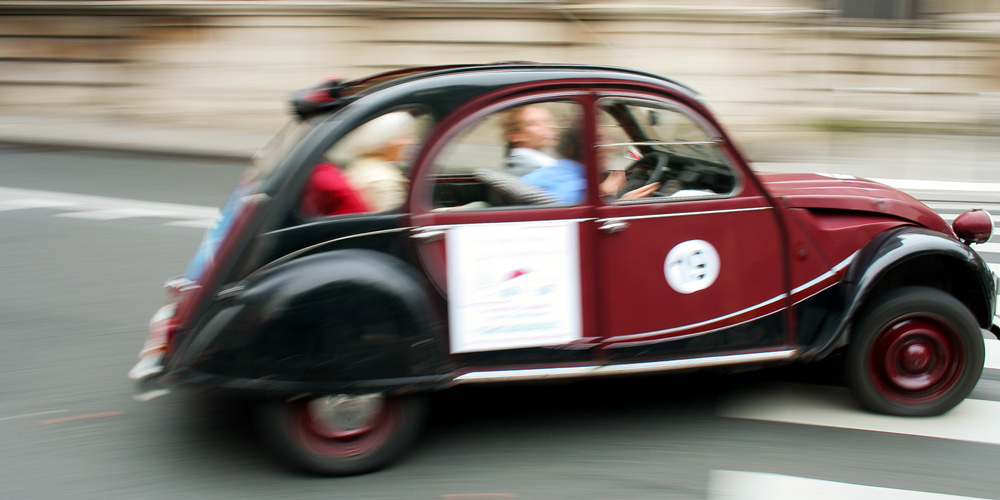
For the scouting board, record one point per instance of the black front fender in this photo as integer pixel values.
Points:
(904, 257)
(332, 321)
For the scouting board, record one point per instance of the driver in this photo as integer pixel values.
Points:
(566, 179)
(528, 130)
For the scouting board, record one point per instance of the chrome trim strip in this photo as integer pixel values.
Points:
(702, 323)
(685, 214)
(654, 143)
(633, 343)
(621, 369)
(833, 271)
(300, 251)
(449, 226)
(636, 337)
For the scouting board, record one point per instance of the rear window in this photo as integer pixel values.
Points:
(262, 166)
(266, 161)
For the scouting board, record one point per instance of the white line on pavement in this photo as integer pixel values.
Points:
(198, 224)
(951, 217)
(972, 420)
(25, 203)
(992, 187)
(740, 485)
(100, 207)
(986, 247)
(992, 354)
(992, 208)
(120, 213)
(35, 414)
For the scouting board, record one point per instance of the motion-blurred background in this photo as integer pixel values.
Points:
(789, 78)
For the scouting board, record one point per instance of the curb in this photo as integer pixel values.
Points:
(141, 149)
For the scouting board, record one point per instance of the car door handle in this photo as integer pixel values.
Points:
(613, 226)
(428, 235)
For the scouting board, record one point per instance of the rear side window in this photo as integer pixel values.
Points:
(368, 169)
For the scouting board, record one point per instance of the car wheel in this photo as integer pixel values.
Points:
(915, 351)
(343, 435)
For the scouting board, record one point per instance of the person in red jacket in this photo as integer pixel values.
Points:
(328, 193)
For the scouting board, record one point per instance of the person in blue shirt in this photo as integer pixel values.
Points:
(566, 180)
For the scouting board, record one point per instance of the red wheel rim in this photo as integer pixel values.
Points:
(916, 359)
(323, 439)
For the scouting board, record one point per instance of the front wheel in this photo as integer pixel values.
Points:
(343, 435)
(916, 351)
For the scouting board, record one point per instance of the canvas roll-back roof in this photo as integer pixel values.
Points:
(336, 92)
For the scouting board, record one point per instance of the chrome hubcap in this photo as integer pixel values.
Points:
(343, 415)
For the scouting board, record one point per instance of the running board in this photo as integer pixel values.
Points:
(529, 374)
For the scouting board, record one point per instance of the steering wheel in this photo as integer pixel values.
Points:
(662, 160)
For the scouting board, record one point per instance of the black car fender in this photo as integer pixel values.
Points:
(345, 320)
(907, 256)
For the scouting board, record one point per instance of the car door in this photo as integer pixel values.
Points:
(511, 270)
(697, 267)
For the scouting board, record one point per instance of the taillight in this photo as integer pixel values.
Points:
(181, 292)
(184, 296)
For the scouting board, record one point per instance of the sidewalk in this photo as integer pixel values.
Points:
(133, 136)
(933, 167)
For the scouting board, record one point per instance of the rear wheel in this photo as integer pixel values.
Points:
(343, 435)
(915, 351)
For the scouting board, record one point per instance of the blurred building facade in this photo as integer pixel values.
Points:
(766, 66)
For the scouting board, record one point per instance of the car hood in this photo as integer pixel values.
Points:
(846, 192)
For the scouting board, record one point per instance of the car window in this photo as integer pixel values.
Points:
(656, 144)
(368, 169)
(516, 156)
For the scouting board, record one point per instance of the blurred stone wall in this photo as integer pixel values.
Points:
(766, 66)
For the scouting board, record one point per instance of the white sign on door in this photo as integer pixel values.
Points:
(513, 285)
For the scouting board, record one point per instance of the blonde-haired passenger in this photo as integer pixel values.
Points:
(380, 147)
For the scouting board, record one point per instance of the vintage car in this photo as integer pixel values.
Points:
(358, 268)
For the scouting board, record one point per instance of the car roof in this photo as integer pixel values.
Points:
(334, 93)
(396, 77)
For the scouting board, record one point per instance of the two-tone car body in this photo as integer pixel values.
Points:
(341, 323)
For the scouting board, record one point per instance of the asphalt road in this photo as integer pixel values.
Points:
(77, 292)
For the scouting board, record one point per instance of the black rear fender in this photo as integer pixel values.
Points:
(337, 319)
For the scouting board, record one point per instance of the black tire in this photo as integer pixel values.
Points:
(915, 351)
(295, 437)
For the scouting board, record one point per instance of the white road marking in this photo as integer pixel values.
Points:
(992, 208)
(986, 247)
(120, 213)
(972, 420)
(199, 224)
(35, 414)
(26, 203)
(992, 354)
(104, 208)
(904, 184)
(740, 485)
(951, 217)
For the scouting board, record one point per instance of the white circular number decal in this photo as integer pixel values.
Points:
(691, 266)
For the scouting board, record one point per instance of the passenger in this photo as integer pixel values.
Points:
(328, 192)
(380, 147)
(528, 130)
